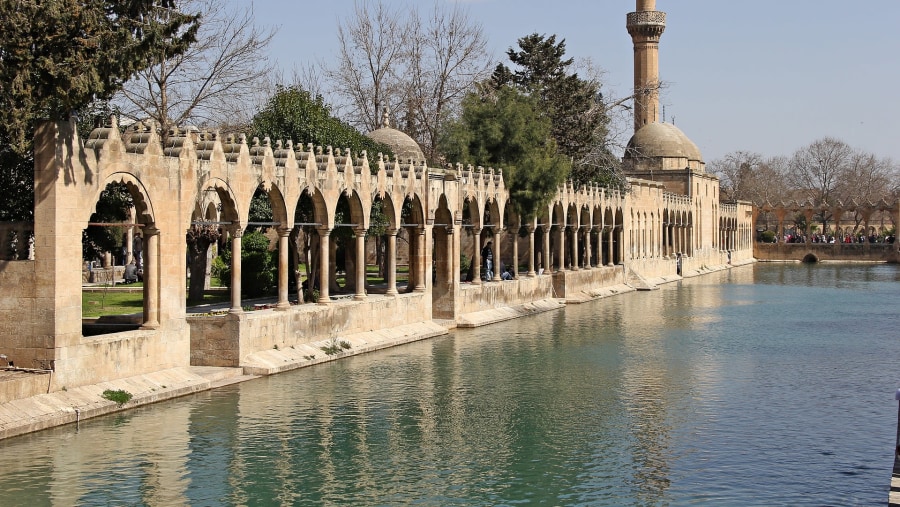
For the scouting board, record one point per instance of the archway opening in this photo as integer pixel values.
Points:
(304, 243)
(113, 262)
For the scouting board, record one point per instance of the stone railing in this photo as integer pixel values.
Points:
(645, 18)
(16, 241)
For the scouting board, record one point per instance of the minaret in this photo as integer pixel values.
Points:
(646, 27)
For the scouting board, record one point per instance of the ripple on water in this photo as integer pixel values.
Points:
(767, 387)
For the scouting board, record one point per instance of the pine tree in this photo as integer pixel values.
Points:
(573, 105)
(503, 128)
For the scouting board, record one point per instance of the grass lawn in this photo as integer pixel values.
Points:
(95, 304)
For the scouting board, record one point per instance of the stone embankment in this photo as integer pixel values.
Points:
(35, 413)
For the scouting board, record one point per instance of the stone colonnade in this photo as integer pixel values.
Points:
(851, 218)
(177, 184)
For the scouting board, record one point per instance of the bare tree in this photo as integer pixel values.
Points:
(768, 185)
(418, 68)
(868, 178)
(737, 172)
(817, 170)
(215, 81)
(372, 48)
(829, 171)
(446, 56)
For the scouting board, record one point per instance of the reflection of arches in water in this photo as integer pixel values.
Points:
(810, 258)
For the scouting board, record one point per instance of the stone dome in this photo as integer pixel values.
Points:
(404, 147)
(661, 140)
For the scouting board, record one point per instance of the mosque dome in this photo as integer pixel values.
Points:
(404, 147)
(661, 140)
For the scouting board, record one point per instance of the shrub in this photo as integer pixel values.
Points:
(767, 236)
(119, 396)
(258, 269)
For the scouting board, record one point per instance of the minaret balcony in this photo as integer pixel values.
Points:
(646, 23)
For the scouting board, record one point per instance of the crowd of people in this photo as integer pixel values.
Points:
(847, 238)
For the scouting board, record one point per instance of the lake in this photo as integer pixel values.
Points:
(770, 384)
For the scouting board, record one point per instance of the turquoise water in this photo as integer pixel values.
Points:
(765, 385)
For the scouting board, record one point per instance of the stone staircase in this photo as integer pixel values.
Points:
(635, 280)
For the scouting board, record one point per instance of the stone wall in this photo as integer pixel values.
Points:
(18, 312)
(475, 298)
(117, 355)
(570, 284)
(23, 385)
(865, 252)
(225, 340)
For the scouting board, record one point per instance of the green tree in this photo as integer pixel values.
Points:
(578, 118)
(17, 182)
(112, 207)
(60, 55)
(63, 56)
(503, 128)
(293, 113)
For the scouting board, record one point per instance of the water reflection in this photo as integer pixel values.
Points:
(696, 393)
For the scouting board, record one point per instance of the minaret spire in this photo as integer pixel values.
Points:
(646, 26)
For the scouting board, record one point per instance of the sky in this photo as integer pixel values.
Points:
(766, 76)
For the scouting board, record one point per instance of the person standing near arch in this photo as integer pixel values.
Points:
(487, 253)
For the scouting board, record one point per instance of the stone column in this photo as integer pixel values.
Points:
(779, 225)
(836, 213)
(808, 214)
(324, 265)
(392, 263)
(665, 240)
(588, 264)
(476, 257)
(496, 249)
(561, 248)
(546, 261)
(151, 277)
(360, 263)
(621, 235)
(283, 267)
(574, 247)
(609, 245)
(515, 248)
(531, 252)
(129, 237)
(420, 259)
(452, 259)
(236, 234)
